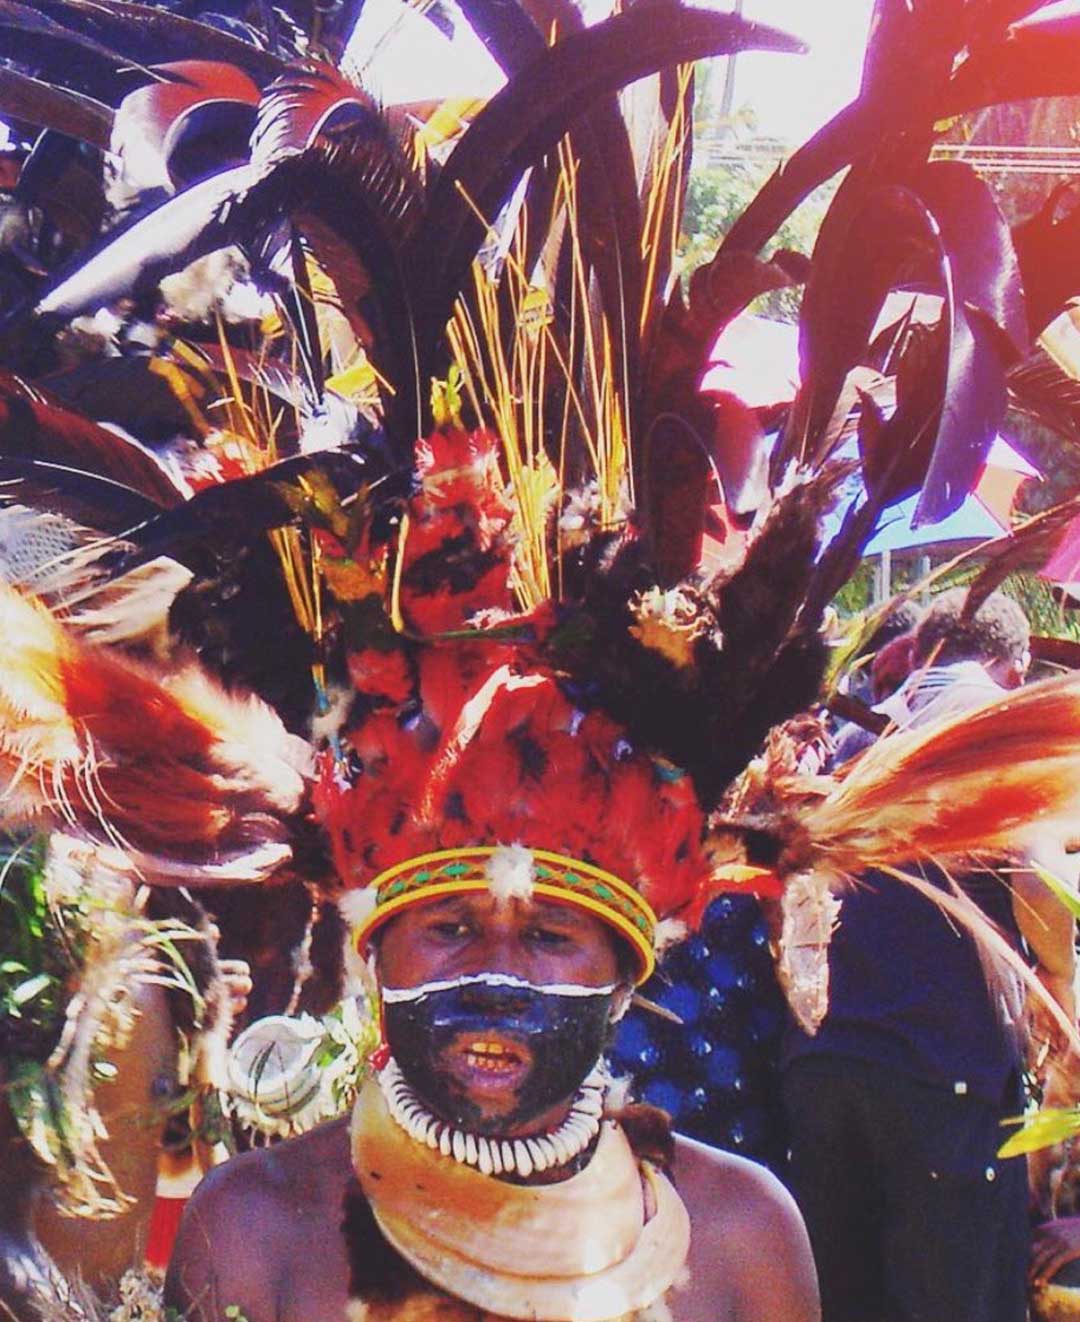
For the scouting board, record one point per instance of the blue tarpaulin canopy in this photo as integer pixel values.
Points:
(970, 523)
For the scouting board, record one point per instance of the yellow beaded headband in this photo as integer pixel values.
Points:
(553, 876)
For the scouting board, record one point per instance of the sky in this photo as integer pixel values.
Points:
(792, 95)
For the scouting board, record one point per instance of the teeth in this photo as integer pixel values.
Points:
(491, 1064)
(488, 1048)
(470, 1149)
(432, 1138)
(484, 1153)
(508, 1163)
(446, 1142)
(495, 1152)
(459, 1145)
(536, 1153)
(524, 1161)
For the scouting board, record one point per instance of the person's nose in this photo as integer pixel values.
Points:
(498, 950)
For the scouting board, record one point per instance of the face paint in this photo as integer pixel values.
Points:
(491, 1052)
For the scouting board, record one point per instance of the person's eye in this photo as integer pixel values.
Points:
(551, 938)
(449, 930)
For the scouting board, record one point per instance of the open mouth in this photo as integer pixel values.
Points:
(493, 1057)
(488, 1062)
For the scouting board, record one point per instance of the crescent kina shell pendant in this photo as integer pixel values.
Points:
(589, 1251)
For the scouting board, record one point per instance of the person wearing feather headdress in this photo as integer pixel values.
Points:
(505, 912)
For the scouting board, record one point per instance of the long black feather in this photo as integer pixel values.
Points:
(154, 36)
(51, 107)
(235, 513)
(87, 498)
(61, 54)
(189, 225)
(527, 118)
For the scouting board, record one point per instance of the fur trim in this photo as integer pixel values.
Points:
(669, 932)
(354, 906)
(618, 1094)
(327, 725)
(511, 873)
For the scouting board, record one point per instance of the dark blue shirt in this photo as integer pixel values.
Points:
(907, 989)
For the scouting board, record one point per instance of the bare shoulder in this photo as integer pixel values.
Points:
(750, 1258)
(252, 1224)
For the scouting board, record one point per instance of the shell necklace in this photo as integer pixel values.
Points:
(498, 1156)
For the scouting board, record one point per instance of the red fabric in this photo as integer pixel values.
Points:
(164, 1223)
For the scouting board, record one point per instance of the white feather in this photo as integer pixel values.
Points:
(324, 725)
(511, 873)
(669, 931)
(355, 906)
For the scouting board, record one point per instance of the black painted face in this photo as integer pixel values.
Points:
(492, 1053)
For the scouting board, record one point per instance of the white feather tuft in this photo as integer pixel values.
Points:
(325, 725)
(669, 932)
(511, 873)
(355, 906)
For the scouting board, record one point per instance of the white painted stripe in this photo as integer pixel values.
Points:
(397, 995)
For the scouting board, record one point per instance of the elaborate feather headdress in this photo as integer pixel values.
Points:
(532, 648)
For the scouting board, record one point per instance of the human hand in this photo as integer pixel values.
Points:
(236, 975)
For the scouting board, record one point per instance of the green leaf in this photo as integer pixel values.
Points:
(1059, 889)
(1042, 1130)
(26, 991)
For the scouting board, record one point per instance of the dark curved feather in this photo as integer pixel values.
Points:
(132, 391)
(984, 283)
(236, 512)
(33, 425)
(52, 107)
(308, 101)
(189, 225)
(148, 35)
(532, 112)
(1025, 549)
(54, 51)
(357, 208)
(609, 208)
(944, 228)
(88, 498)
(849, 135)
(1048, 247)
(1039, 58)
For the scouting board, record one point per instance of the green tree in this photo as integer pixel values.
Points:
(717, 193)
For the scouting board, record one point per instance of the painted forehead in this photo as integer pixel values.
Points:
(482, 904)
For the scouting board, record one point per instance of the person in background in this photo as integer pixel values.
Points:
(895, 1104)
(714, 1069)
